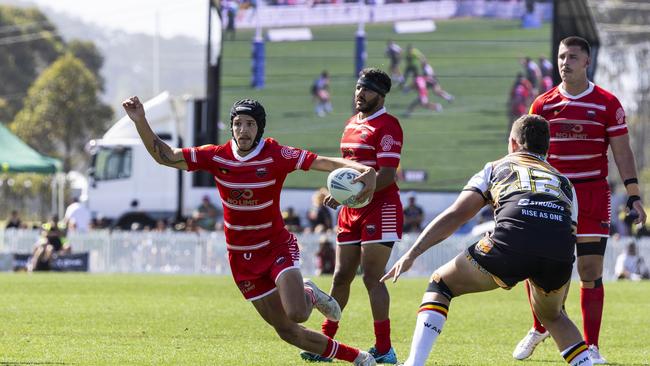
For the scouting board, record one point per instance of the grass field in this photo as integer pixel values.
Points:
(80, 319)
(475, 59)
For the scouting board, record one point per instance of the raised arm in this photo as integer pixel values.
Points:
(468, 204)
(157, 148)
(368, 175)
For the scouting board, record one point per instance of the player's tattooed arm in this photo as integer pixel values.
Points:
(165, 155)
(157, 148)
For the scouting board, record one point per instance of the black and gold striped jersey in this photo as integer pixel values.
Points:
(535, 206)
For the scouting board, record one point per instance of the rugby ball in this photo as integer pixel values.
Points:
(341, 188)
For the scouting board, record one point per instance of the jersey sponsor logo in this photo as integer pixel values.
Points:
(261, 172)
(289, 152)
(241, 194)
(528, 202)
(620, 115)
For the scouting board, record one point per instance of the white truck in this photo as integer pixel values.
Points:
(123, 171)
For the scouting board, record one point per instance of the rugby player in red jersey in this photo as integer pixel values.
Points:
(585, 120)
(264, 257)
(366, 235)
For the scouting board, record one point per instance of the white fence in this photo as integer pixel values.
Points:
(205, 253)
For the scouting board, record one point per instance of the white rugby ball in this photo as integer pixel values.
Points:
(340, 185)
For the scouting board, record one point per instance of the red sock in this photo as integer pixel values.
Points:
(382, 336)
(329, 328)
(340, 351)
(591, 303)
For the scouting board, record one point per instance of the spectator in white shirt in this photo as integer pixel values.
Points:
(629, 265)
(77, 217)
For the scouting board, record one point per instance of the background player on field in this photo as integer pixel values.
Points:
(534, 238)
(264, 257)
(585, 120)
(366, 235)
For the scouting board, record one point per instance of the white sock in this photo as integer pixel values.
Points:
(427, 328)
(578, 354)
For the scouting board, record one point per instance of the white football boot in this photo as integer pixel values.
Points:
(527, 345)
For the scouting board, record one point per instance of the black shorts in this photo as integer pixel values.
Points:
(510, 267)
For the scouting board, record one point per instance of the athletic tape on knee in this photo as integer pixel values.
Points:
(598, 282)
(441, 288)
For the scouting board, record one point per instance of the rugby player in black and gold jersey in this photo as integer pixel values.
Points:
(535, 211)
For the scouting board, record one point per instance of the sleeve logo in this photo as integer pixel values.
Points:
(620, 115)
(289, 152)
(387, 142)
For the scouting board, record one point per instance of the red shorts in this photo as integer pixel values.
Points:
(380, 221)
(256, 271)
(593, 208)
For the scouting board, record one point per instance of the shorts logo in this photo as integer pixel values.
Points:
(280, 260)
(246, 286)
(484, 246)
(387, 142)
(371, 229)
(289, 152)
(620, 115)
(261, 172)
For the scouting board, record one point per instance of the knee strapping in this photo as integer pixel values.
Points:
(592, 247)
(441, 288)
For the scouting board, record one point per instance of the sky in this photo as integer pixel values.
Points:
(175, 17)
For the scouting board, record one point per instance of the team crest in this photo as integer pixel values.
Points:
(224, 170)
(371, 229)
(484, 245)
(261, 172)
(364, 136)
(591, 114)
(280, 260)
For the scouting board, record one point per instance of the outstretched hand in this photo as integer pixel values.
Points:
(402, 265)
(134, 109)
(369, 180)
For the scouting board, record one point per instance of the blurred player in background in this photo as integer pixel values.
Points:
(585, 120)
(534, 238)
(264, 257)
(320, 91)
(394, 54)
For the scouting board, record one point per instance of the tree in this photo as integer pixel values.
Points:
(62, 111)
(88, 53)
(28, 44)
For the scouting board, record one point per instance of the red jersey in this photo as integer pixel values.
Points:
(581, 126)
(375, 141)
(250, 187)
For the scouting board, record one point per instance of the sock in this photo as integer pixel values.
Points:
(577, 355)
(382, 336)
(536, 323)
(591, 302)
(431, 318)
(340, 351)
(329, 328)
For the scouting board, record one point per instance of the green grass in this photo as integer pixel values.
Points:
(475, 59)
(81, 319)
